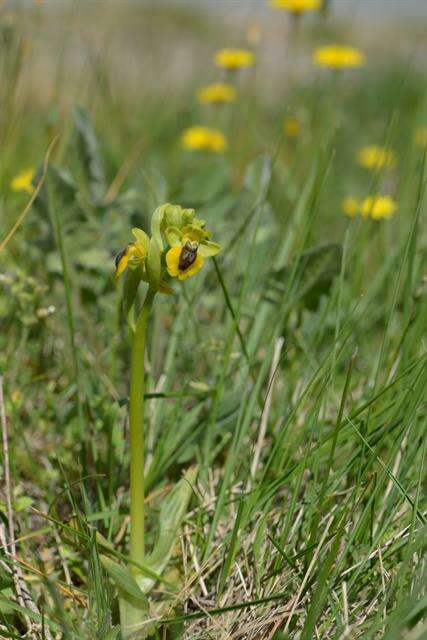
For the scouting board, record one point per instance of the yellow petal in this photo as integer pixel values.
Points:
(134, 249)
(122, 264)
(172, 261)
(191, 271)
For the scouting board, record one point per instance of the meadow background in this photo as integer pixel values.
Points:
(292, 370)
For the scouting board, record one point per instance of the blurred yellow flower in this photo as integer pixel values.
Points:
(420, 137)
(216, 93)
(24, 181)
(378, 207)
(351, 207)
(337, 56)
(375, 207)
(234, 58)
(199, 138)
(375, 157)
(296, 6)
(291, 127)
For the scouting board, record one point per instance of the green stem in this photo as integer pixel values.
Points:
(136, 420)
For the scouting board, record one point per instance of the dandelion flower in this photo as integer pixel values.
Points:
(199, 138)
(216, 93)
(378, 207)
(376, 158)
(296, 6)
(234, 58)
(420, 137)
(351, 207)
(336, 56)
(23, 181)
(291, 127)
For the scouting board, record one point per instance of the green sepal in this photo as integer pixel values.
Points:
(130, 288)
(135, 261)
(173, 236)
(141, 237)
(209, 249)
(154, 263)
(156, 224)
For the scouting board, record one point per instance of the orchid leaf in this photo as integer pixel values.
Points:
(172, 512)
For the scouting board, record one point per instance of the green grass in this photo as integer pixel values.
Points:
(292, 369)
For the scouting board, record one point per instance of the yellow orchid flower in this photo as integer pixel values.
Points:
(134, 254)
(189, 248)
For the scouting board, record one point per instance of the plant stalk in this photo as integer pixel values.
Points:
(136, 421)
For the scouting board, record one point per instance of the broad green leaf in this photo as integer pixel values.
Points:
(125, 583)
(90, 152)
(172, 512)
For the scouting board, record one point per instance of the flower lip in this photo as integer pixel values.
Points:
(188, 255)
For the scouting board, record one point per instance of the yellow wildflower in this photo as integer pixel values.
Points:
(296, 6)
(420, 137)
(337, 56)
(291, 127)
(375, 158)
(23, 181)
(234, 58)
(378, 207)
(351, 207)
(216, 93)
(189, 248)
(199, 138)
(133, 255)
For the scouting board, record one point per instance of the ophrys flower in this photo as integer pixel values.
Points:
(189, 248)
